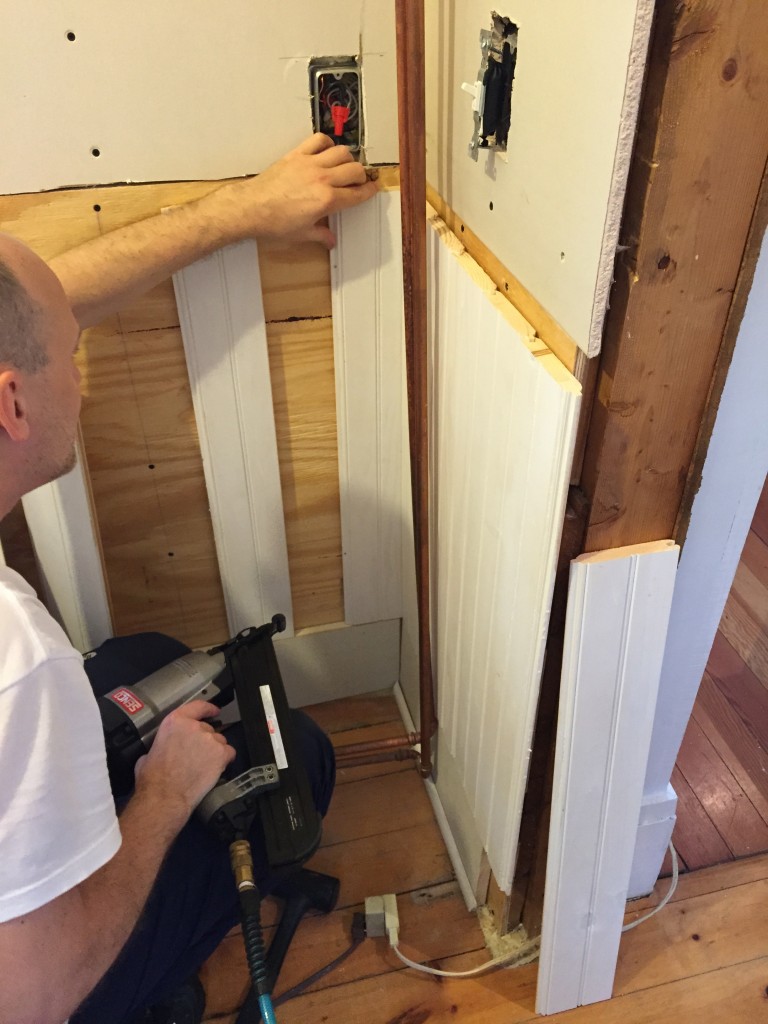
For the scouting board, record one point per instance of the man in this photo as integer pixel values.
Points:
(74, 881)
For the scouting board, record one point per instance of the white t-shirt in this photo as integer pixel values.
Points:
(57, 818)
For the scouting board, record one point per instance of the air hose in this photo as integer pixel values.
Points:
(250, 916)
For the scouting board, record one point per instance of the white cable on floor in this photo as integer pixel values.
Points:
(667, 898)
(518, 957)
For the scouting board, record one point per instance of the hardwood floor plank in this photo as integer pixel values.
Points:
(697, 839)
(751, 591)
(384, 731)
(732, 729)
(697, 935)
(354, 712)
(755, 557)
(716, 879)
(720, 795)
(746, 636)
(742, 690)
(399, 861)
(371, 807)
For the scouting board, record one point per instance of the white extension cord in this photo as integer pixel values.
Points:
(382, 919)
(667, 898)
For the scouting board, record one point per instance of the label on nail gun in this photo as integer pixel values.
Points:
(274, 729)
(127, 700)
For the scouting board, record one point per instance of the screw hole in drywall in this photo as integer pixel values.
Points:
(97, 207)
(95, 152)
(71, 37)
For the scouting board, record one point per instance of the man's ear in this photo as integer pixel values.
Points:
(14, 419)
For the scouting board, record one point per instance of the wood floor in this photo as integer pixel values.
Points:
(721, 777)
(705, 956)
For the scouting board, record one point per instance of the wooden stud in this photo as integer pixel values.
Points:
(700, 157)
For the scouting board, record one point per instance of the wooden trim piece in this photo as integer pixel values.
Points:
(735, 315)
(222, 325)
(545, 327)
(388, 177)
(700, 158)
(65, 538)
(366, 277)
(618, 611)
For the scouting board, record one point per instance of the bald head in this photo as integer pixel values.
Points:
(21, 319)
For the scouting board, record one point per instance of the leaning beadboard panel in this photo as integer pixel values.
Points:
(66, 545)
(504, 416)
(222, 324)
(618, 611)
(367, 289)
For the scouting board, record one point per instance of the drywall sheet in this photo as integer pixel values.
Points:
(177, 90)
(549, 208)
(618, 612)
(504, 416)
(369, 359)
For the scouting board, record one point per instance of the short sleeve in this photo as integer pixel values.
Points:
(57, 817)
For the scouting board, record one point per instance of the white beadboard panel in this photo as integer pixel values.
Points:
(504, 415)
(177, 90)
(618, 613)
(65, 538)
(225, 340)
(367, 290)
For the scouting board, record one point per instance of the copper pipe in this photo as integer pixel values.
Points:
(351, 749)
(409, 19)
(402, 754)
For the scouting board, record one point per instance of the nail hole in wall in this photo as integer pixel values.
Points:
(170, 554)
(97, 207)
(562, 257)
(71, 37)
(95, 152)
(462, 227)
(151, 465)
(490, 205)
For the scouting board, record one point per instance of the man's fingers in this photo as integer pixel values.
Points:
(334, 156)
(315, 144)
(197, 709)
(347, 174)
(352, 195)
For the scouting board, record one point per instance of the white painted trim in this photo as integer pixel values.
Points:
(367, 295)
(443, 824)
(616, 625)
(65, 539)
(625, 143)
(654, 832)
(324, 664)
(225, 340)
(732, 478)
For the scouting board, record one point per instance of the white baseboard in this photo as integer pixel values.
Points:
(459, 870)
(657, 821)
(327, 663)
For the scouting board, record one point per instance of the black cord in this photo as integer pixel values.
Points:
(358, 934)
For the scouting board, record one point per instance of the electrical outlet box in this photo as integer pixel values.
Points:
(336, 93)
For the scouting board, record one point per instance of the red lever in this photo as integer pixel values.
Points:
(340, 117)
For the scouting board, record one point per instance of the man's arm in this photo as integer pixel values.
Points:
(51, 958)
(289, 200)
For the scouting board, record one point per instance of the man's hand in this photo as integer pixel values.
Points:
(291, 198)
(187, 757)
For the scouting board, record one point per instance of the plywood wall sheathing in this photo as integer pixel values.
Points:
(137, 413)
